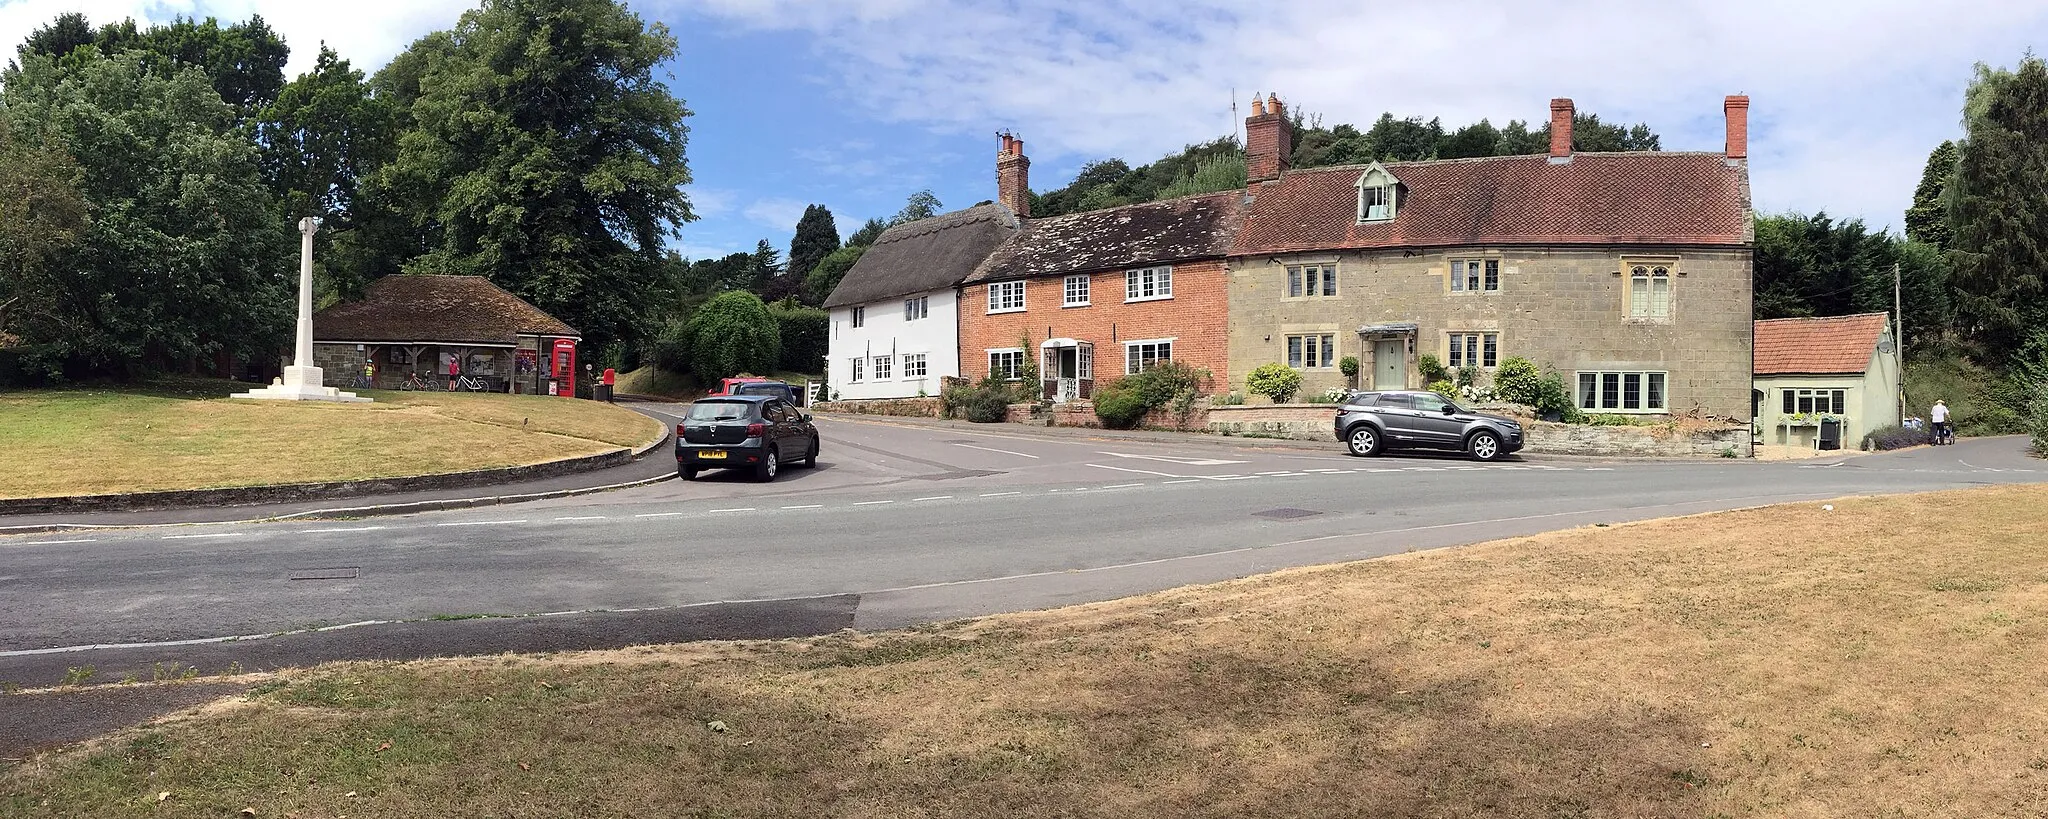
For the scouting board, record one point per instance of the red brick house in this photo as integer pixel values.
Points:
(1101, 294)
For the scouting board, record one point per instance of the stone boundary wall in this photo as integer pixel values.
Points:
(1082, 414)
(927, 407)
(1313, 422)
(290, 492)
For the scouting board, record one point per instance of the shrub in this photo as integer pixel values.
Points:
(1445, 388)
(2038, 424)
(1348, 365)
(671, 349)
(730, 334)
(1610, 421)
(1333, 395)
(1553, 399)
(1119, 407)
(1158, 384)
(1276, 381)
(1468, 376)
(1896, 437)
(1431, 368)
(805, 332)
(1518, 380)
(1230, 399)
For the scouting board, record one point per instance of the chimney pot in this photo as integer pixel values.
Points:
(1258, 105)
(1561, 112)
(1736, 107)
(1273, 105)
(1268, 140)
(1013, 176)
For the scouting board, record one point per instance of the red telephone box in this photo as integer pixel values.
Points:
(565, 366)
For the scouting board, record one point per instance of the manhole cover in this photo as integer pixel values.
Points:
(336, 573)
(1286, 513)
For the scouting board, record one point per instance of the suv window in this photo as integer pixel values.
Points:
(1430, 403)
(1397, 400)
(1363, 399)
(718, 410)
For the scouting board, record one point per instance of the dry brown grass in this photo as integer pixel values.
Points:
(1882, 659)
(187, 435)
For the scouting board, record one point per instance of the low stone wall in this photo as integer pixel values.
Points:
(1082, 414)
(1683, 439)
(901, 407)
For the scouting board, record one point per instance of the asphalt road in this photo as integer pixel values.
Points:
(900, 524)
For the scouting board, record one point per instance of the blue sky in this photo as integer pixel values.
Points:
(856, 104)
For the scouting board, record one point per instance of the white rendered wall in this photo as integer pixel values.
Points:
(884, 333)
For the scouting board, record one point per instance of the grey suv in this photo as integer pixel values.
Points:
(1372, 421)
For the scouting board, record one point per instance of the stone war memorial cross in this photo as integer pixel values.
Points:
(302, 380)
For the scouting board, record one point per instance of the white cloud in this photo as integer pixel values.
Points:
(368, 33)
(780, 214)
(1848, 96)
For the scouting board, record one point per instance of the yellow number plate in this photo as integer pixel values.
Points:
(712, 454)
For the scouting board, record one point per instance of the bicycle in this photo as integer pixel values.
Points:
(471, 383)
(413, 381)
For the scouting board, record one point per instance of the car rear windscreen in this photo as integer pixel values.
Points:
(719, 410)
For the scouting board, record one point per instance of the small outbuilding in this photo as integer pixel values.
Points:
(1809, 372)
(406, 325)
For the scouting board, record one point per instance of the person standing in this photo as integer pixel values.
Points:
(454, 370)
(1939, 415)
(369, 374)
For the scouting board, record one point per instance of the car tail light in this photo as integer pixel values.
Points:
(756, 430)
(679, 430)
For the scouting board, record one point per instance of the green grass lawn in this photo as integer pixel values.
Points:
(186, 434)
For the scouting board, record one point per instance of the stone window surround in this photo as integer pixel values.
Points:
(1331, 266)
(1451, 338)
(1453, 283)
(1578, 385)
(1623, 271)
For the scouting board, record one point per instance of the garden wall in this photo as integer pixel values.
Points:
(1684, 439)
(902, 407)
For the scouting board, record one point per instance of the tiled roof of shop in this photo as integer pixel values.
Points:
(436, 309)
(1815, 346)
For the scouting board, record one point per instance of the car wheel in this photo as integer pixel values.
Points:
(688, 473)
(1364, 441)
(1484, 446)
(811, 460)
(770, 465)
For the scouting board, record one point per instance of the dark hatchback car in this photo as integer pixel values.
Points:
(1370, 422)
(758, 433)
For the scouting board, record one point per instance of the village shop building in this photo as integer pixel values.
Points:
(417, 324)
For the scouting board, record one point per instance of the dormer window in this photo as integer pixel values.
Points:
(1379, 194)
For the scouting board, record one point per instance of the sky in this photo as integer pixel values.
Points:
(856, 104)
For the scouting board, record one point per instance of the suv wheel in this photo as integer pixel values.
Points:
(688, 473)
(1484, 446)
(1364, 441)
(770, 465)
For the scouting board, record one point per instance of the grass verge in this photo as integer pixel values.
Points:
(1879, 659)
(185, 434)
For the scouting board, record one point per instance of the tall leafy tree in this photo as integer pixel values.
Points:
(824, 278)
(816, 237)
(1817, 266)
(546, 156)
(42, 215)
(867, 234)
(764, 266)
(921, 205)
(185, 254)
(320, 142)
(1927, 219)
(244, 61)
(1998, 208)
(59, 37)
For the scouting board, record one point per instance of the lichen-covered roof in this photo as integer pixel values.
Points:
(925, 255)
(1596, 198)
(436, 309)
(1172, 230)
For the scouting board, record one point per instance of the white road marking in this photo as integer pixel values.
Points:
(934, 497)
(215, 534)
(1139, 471)
(873, 503)
(1004, 451)
(740, 509)
(658, 515)
(339, 529)
(1599, 469)
(584, 517)
(1281, 472)
(1423, 468)
(482, 523)
(57, 542)
(1175, 460)
(1123, 486)
(807, 506)
(998, 494)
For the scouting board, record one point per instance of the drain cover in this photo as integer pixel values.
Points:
(336, 573)
(1286, 513)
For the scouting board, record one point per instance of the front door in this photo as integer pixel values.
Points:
(1389, 364)
(1070, 374)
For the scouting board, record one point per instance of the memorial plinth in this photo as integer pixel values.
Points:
(302, 381)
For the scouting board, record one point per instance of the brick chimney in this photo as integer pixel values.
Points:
(1561, 130)
(1013, 176)
(1268, 139)
(1737, 109)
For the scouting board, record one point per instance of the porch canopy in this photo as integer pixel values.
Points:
(1066, 369)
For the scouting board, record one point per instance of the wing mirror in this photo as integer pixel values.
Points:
(1450, 410)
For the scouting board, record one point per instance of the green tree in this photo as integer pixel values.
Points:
(545, 155)
(867, 234)
(41, 215)
(185, 254)
(58, 38)
(824, 278)
(816, 237)
(244, 61)
(320, 143)
(1220, 173)
(920, 205)
(1927, 219)
(731, 334)
(805, 333)
(764, 266)
(1478, 139)
(1998, 208)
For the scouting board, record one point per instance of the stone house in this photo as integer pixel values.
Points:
(406, 324)
(895, 316)
(1101, 294)
(1808, 370)
(1629, 273)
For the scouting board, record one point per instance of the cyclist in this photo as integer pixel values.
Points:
(369, 378)
(1943, 434)
(454, 371)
